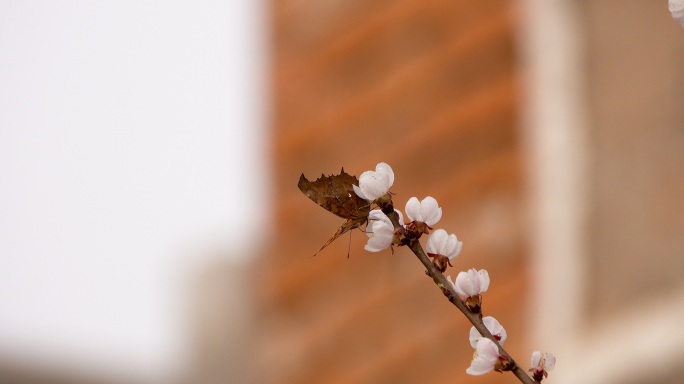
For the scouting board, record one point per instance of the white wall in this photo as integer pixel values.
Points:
(131, 136)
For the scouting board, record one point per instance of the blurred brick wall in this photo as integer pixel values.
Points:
(430, 88)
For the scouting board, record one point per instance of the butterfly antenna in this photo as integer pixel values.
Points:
(349, 247)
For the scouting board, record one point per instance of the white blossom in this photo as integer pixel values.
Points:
(471, 283)
(677, 10)
(380, 231)
(375, 184)
(426, 211)
(494, 327)
(441, 243)
(543, 361)
(484, 359)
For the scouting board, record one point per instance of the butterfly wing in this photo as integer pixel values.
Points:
(342, 186)
(321, 192)
(336, 194)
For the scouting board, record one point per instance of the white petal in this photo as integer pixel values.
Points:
(385, 168)
(487, 349)
(494, 328)
(430, 211)
(384, 229)
(436, 241)
(474, 337)
(377, 214)
(374, 184)
(484, 280)
(474, 280)
(377, 244)
(452, 247)
(484, 359)
(463, 285)
(359, 192)
(459, 284)
(380, 231)
(536, 359)
(413, 209)
(480, 367)
(549, 362)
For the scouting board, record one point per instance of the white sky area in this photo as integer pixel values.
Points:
(131, 146)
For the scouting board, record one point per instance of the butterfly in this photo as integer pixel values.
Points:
(335, 194)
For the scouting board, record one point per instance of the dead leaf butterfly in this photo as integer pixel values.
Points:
(336, 194)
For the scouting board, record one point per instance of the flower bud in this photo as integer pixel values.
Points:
(443, 248)
(472, 283)
(424, 214)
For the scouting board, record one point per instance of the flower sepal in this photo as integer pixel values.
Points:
(503, 364)
(474, 303)
(440, 261)
(385, 204)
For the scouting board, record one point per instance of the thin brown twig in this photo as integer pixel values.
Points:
(450, 293)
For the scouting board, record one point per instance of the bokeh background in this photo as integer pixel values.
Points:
(152, 230)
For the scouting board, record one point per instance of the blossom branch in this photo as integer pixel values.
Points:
(450, 293)
(386, 228)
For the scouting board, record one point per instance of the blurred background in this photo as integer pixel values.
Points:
(152, 230)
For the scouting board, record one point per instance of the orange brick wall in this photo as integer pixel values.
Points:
(429, 87)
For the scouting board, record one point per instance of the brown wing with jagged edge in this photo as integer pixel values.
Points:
(335, 194)
(342, 185)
